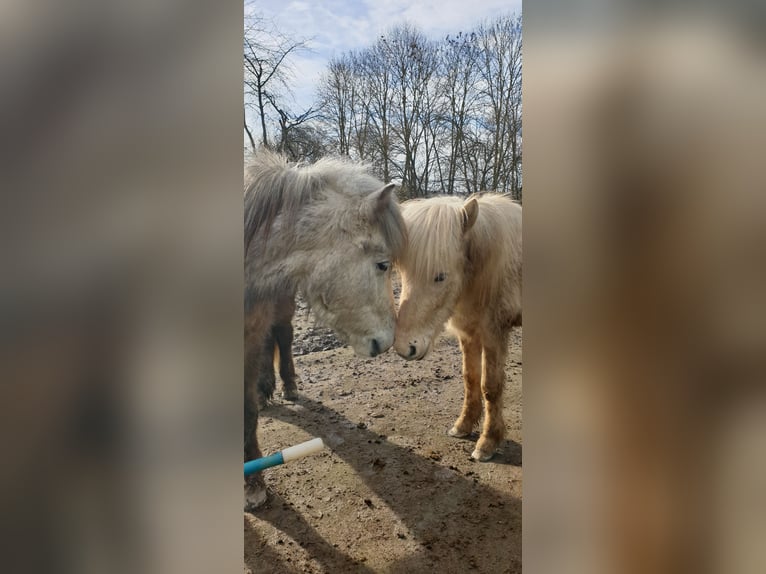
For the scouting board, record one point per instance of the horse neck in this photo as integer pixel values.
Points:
(288, 256)
(277, 271)
(483, 273)
(284, 260)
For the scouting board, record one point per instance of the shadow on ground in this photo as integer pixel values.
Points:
(458, 524)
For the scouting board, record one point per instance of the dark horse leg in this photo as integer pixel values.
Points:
(258, 320)
(282, 333)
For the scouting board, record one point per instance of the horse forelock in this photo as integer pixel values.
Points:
(436, 237)
(435, 229)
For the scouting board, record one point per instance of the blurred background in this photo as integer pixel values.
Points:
(645, 287)
(122, 288)
(121, 173)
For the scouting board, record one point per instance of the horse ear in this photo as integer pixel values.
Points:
(381, 199)
(470, 213)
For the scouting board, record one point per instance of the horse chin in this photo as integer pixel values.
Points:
(361, 351)
(363, 348)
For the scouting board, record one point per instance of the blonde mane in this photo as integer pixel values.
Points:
(492, 248)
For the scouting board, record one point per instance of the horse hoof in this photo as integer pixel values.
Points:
(291, 396)
(482, 455)
(255, 496)
(455, 432)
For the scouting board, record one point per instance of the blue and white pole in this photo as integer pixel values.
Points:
(283, 456)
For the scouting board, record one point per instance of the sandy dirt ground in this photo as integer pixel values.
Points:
(391, 493)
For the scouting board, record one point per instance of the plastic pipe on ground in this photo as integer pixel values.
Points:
(283, 456)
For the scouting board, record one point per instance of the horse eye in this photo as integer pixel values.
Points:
(440, 277)
(383, 265)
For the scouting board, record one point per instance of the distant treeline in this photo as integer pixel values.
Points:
(438, 116)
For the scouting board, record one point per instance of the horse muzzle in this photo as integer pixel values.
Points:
(373, 346)
(412, 349)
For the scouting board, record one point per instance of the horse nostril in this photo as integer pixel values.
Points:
(413, 351)
(375, 348)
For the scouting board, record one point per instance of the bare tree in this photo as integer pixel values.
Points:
(413, 63)
(266, 73)
(338, 93)
(439, 116)
(500, 71)
(458, 89)
(289, 126)
(305, 141)
(375, 71)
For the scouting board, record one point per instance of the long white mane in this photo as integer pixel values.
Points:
(493, 244)
(291, 207)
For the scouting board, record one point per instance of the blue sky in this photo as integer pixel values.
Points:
(332, 27)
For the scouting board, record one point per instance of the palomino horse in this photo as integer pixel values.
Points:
(462, 264)
(329, 231)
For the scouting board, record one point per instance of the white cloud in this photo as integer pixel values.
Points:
(298, 7)
(438, 17)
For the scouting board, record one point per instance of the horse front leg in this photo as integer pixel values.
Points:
(255, 487)
(471, 348)
(492, 383)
